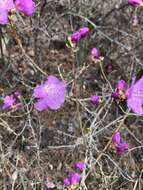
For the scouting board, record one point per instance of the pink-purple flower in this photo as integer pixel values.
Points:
(83, 31)
(95, 53)
(135, 2)
(79, 165)
(75, 37)
(121, 85)
(115, 95)
(5, 6)
(67, 182)
(3, 16)
(119, 93)
(78, 35)
(119, 145)
(26, 7)
(51, 94)
(94, 99)
(8, 102)
(72, 179)
(135, 96)
(11, 101)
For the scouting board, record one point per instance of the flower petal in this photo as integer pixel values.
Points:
(26, 7)
(39, 91)
(116, 138)
(40, 105)
(135, 97)
(3, 16)
(121, 148)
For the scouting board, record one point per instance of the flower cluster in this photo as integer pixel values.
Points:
(7, 6)
(74, 177)
(118, 144)
(51, 94)
(12, 101)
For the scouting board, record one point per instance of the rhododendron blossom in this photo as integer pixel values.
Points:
(51, 94)
(119, 145)
(135, 96)
(72, 179)
(95, 53)
(11, 101)
(78, 35)
(25, 6)
(119, 93)
(79, 165)
(8, 102)
(115, 95)
(94, 99)
(121, 85)
(5, 6)
(67, 182)
(83, 31)
(75, 37)
(3, 16)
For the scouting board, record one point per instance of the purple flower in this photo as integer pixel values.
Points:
(3, 16)
(79, 165)
(116, 138)
(135, 96)
(67, 182)
(5, 6)
(26, 7)
(121, 148)
(119, 145)
(115, 95)
(94, 99)
(95, 53)
(83, 32)
(135, 2)
(75, 37)
(51, 94)
(121, 85)
(8, 102)
(11, 101)
(74, 178)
